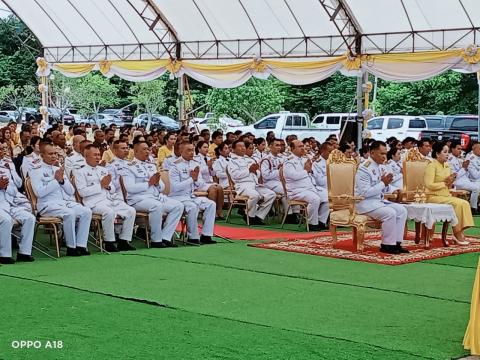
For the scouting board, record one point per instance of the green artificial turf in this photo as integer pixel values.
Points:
(231, 301)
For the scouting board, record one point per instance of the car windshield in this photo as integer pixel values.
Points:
(110, 111)
(166, 119)
(465, 124)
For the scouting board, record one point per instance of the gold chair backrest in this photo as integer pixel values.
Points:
(340, 179)
(231, 184)
(31, 194)
(78, 198)
(164, 175)
(413, 172)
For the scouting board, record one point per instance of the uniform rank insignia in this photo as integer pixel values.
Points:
(185, 171)
(367, 163)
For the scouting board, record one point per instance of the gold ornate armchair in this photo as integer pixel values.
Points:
(341, 195)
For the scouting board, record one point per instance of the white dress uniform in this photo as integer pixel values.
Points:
(55, 199)
(106, 202)
(462, 182)
(14, 206)
(259, 156)
(474, 168)
(319, 169)
(28, 162)
(168, 162)
(144, 197)
(220, 169)
(206, 173)
(181, 189)
(73, 162)
(246, 184)
(394, 168)
(301, 186)
(117, 168)
(369, 185)
(271, 179)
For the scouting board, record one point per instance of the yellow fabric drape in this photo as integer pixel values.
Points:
(75, 69)
(471, 341)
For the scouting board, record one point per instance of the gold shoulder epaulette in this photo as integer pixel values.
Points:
(367, 163)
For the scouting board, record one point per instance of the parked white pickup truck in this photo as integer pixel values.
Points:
(286, 123)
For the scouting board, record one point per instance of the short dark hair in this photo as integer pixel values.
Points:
(234, 144)
(220, 148)
(216, 134)
(90, 146)
(422, 141)
(393, 150)
(376, 145)
(259, 141)
(437, 148)
(199, 145)
(408, 139)
(454, 144)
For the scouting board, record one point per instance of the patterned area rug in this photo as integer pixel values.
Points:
(321, 245)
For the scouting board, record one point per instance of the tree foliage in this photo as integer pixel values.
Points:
(93, 92)
(250, 102)
(19, 97)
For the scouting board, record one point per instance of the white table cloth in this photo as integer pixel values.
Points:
(430, 213)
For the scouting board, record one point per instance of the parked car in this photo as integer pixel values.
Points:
(460, 127)
(55, 114)
(225, 122)
(122, 114)
(399, 126)
(333, 121)
(437, 121)
(12, 114)
(286, 123)
(4, 118)
(158, 122)
(106, 119)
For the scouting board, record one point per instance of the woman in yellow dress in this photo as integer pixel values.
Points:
(167, 149)
(438, 182)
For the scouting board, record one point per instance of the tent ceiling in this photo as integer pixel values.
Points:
(92, 30)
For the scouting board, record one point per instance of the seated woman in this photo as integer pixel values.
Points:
(394, 167)
(438, 182)
(214, 190)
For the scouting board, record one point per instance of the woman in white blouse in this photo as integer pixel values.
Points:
(394, 166)
(214, 190)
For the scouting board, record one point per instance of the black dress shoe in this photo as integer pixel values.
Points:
(169, 243)
(157, 245)
(6, 260)
(219, 218)
(24, 258)
(389, 249)
(83, 251)
(402, 250)
(110, 246)
(313, 227)
(124, 245)
(257, 221)
(193, 241)
(291, 219)
(322, 226)
(474, 212)
(72, 252)
(207, 240)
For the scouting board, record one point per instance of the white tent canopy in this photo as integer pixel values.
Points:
(92, 30)
(225, 42)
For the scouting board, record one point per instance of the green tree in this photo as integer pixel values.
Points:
(149, 96)
(93, 92)
(19, 97)
(251, 101)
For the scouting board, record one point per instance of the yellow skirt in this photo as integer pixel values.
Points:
(460, 206)
(471, 341)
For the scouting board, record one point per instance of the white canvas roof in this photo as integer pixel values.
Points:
(91, 30)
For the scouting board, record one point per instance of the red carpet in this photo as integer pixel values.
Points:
(321, 245)
(255, 233)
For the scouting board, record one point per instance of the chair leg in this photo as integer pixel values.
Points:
(285, 216)
(333, 231)
(230, 207)
(55, 234)
(360, 232)
(305, 216)
(246, 212)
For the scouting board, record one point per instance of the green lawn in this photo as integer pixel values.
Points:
(231, 301)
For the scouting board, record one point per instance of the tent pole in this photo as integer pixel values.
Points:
(359, 110)
(478, 105)
(44, 99)
(181, 104)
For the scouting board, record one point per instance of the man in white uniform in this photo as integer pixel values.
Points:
(474, 165)
(75, 159)
(184, 179)
(13, 207)
(118, 165)
(144, 188)
(95, 186)
(298, 172)
(371, 185)
(459, 166)
(260, 199)
(55, 196)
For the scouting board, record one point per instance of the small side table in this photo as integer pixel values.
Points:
(427, 215)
